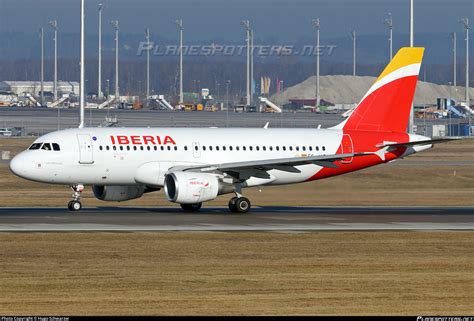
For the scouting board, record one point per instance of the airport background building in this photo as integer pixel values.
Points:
(20, 88)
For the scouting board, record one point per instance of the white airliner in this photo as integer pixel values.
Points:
(195, 165)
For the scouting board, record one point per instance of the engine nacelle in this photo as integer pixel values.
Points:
(191, 188)
(118, 193)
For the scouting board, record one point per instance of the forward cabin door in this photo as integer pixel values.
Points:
(347, 148)
(86, 155)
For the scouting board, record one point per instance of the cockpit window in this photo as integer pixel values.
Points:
(46, 146)
(35, 146)
(56, 147)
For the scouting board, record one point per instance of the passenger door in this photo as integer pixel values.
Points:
(86, 154)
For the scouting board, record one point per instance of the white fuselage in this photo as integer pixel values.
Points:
(129, 156)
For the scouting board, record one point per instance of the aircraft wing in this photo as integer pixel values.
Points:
(259, 168)
(421, 142)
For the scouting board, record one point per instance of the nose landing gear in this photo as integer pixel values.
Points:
(75, 204)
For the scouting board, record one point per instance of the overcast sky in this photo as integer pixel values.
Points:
(220, 19)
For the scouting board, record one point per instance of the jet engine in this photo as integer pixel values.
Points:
(192, 188)
(118, 193)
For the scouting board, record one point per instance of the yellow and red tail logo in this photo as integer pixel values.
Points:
(386, 106)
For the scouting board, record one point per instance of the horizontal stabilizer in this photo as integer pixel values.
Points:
(420, 142)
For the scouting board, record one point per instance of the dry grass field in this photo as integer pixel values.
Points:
(403, 273)
(413, 181)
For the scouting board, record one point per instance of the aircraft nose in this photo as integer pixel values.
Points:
(18, 165)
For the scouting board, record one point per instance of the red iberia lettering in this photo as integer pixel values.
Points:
(148, 140)
(123, 140)
(136, 140)
(169, 140)
(142, 140)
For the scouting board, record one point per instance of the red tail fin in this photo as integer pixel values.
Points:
(387, 105)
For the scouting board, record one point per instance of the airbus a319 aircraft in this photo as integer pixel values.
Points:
(195, 165)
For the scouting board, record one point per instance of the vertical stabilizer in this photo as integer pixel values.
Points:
(386, 106)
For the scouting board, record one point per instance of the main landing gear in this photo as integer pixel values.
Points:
(75, 204)
(239, 204)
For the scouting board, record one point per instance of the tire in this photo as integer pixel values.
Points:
(191, 207)
(74, 206)
(232, 206)
(243, 205)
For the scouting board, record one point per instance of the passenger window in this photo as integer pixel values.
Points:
(148, 148)
(185, 147)
(277, 148)
(155, 148)
(271, 148)
(121, 147)
(264, 148)
(230, 148)
(251, 148)
(204, 148)
(56, 147)
(46, 146)
(115, 147)
(257, 148)
(210, 148)
(196, 148)
(223, 148)
(162, 148)
(304, 148)
(317, 148)
(324, 148)
(35, 146)
(237, 148)
(297, 148)
(100, 147)
(217, 148)
(244, 148)
(176, 148)
(107, 147)
(291, 148)
(128, 147)
(310, 148)
(169, 147)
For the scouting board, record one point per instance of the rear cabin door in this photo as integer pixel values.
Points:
(86, 155)
(347, 148)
